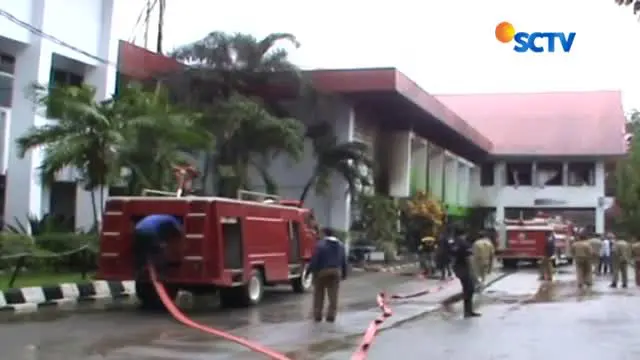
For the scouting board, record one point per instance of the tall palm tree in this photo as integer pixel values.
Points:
(159, 136)
(635, 3)
(351, 160)
(84, 136)
(98, 137)
(227, 76)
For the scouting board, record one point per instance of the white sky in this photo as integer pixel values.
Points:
(446, 46)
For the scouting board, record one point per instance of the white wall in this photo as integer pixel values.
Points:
(84, 24)
(502, 196)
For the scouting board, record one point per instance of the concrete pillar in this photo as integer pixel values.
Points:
(103, 78)
(451, 180)
(419, 154)
(339, 216)
(33, 65)
(600, 206)
(436, 170)
(464, 177)
(400, 164)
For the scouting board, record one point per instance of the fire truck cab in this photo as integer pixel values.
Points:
(525, 240)
(233, 246)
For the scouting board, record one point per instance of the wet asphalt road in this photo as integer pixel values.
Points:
(557, 322)
(127, 334)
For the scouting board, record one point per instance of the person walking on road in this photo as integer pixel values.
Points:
(596, 245)
(443, 254)
(328, 265)
(546, 263)
(604, 265)
(635, 253)
(620, 256)
(582, 257)
(426, 251)
(482, 258)
(461, 253)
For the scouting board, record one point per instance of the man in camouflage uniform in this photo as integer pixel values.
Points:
(582, 257)
(635, 253)
(620, 256)
(596, 245)
(483, 253)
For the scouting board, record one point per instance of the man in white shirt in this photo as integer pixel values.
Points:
(604, 266)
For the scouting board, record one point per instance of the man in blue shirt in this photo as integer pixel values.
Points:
(152, 234)
(328, 266)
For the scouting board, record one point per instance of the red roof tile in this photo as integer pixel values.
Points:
(589, 123)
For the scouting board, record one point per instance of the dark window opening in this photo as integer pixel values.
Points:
(487, 174)
(582, 174)
(7, 64)
(549, 174)
(519, 174)
(65, 78)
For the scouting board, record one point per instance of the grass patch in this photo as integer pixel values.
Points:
(41, 279)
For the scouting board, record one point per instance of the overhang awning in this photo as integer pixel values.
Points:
(402, 104)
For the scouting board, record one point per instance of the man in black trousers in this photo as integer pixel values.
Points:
(461, 253)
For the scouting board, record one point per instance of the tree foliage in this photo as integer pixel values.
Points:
(628, 182)
(350, 160)
(633, 3)
(227, 79)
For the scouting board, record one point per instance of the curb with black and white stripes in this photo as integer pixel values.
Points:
(32, 299)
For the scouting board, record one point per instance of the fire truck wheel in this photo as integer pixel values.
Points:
(148, 298)
(253, 291)
(304, 282)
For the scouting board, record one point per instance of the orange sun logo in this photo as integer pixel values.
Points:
(505, 32)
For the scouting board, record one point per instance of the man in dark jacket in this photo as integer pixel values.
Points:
(461, 253)
(152, 235)
(328, 266)
(443, 255)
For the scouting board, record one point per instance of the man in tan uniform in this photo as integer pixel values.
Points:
(635, 253)
(582, 257)
(596, 245)
(620, 256)
(483, 253)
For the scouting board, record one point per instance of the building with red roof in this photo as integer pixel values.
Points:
(550, 150)
(511, 153)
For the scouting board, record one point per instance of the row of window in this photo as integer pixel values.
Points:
(7, 68)
(542, 174)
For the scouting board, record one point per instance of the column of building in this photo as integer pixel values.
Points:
(450, 179)
(436, 171)
(33, 65)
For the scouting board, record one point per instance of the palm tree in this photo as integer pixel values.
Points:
(635, 3)
(240, 62)
(351, 160)
(98, 137)
(248, 135)
(159, 136)
(227, 75)
(84, 136)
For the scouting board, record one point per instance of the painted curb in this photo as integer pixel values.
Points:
(32, 299)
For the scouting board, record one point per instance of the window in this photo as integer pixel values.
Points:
(65, 78)
(487, 174)
(582, 174)
(7, 67)
(519, 174)
(549, 174)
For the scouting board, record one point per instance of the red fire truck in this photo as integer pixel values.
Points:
(234, 246)
(525, 240)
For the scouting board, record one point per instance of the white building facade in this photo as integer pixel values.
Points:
(520, 187)
(29, 58)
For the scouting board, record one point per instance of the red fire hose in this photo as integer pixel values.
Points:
(360, 354)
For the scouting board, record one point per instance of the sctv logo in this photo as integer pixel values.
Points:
(536, 42)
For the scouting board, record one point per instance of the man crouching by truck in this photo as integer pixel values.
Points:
(152, 235)
(328, 266)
